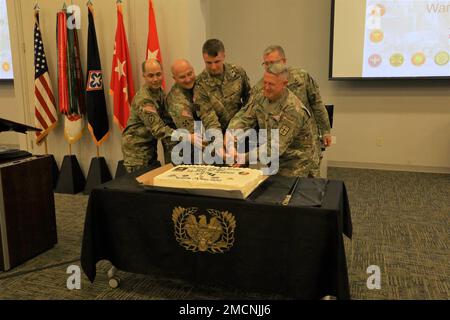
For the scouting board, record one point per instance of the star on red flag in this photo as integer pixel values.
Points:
(153, 49)
(122, 86)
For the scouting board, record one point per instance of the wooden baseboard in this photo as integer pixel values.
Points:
(388, 167)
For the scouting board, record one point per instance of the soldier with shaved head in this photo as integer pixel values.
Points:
(148, 122)
(179, 101)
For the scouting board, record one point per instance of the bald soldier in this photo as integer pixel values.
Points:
(180, 100)
(222, 89)
(148, 122)
(306, 89)
(276, 107)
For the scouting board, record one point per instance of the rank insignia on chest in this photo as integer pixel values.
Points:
(186, 123)
(284, 130)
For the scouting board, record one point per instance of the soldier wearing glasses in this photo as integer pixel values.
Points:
(276, 107)
(307, 90)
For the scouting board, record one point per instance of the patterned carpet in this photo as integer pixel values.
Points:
(401, 223)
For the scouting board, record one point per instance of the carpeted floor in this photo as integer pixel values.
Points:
(401, 223)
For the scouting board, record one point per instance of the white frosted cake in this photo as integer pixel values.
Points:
(244, 180)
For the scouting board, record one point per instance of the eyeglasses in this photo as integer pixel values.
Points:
(269, 63)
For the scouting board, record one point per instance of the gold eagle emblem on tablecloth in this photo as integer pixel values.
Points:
(217, 236)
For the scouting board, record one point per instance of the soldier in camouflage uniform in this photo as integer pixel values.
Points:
(307, 90)
(180, 100)
(222, 89)
(276, 107)
(148, 121)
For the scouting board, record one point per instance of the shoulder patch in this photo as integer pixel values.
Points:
(233, 73)
(284, 130)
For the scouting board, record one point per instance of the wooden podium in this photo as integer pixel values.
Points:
(27, 210)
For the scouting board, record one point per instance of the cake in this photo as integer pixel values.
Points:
(197, 177)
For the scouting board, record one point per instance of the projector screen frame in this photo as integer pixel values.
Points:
(330, 67)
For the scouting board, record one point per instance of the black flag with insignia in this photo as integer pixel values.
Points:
(95, 96)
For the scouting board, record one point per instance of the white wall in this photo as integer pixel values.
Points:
(181, 30)
(411, 119)
(8, 110)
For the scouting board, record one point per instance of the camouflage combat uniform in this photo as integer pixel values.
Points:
(307, 90)
(181, 107)
(291, 118)
(219, 98)
(148, 122)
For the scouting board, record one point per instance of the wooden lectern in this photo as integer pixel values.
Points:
(27, 210)
(27, 205)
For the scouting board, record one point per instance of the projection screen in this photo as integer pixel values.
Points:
(373, 39)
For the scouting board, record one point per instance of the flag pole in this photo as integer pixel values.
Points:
(96, 108)
(45, 145)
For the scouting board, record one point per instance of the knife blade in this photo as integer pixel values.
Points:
(291, 192)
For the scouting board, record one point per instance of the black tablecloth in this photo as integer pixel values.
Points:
(295, 250)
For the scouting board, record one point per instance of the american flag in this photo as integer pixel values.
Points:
(44, 100)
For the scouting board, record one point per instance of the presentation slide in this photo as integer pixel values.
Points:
(391, 39)
(6, 69)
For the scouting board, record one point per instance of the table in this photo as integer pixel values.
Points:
(295, 250)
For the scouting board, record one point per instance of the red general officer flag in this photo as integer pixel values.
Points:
(153, 49)
(121, 86)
